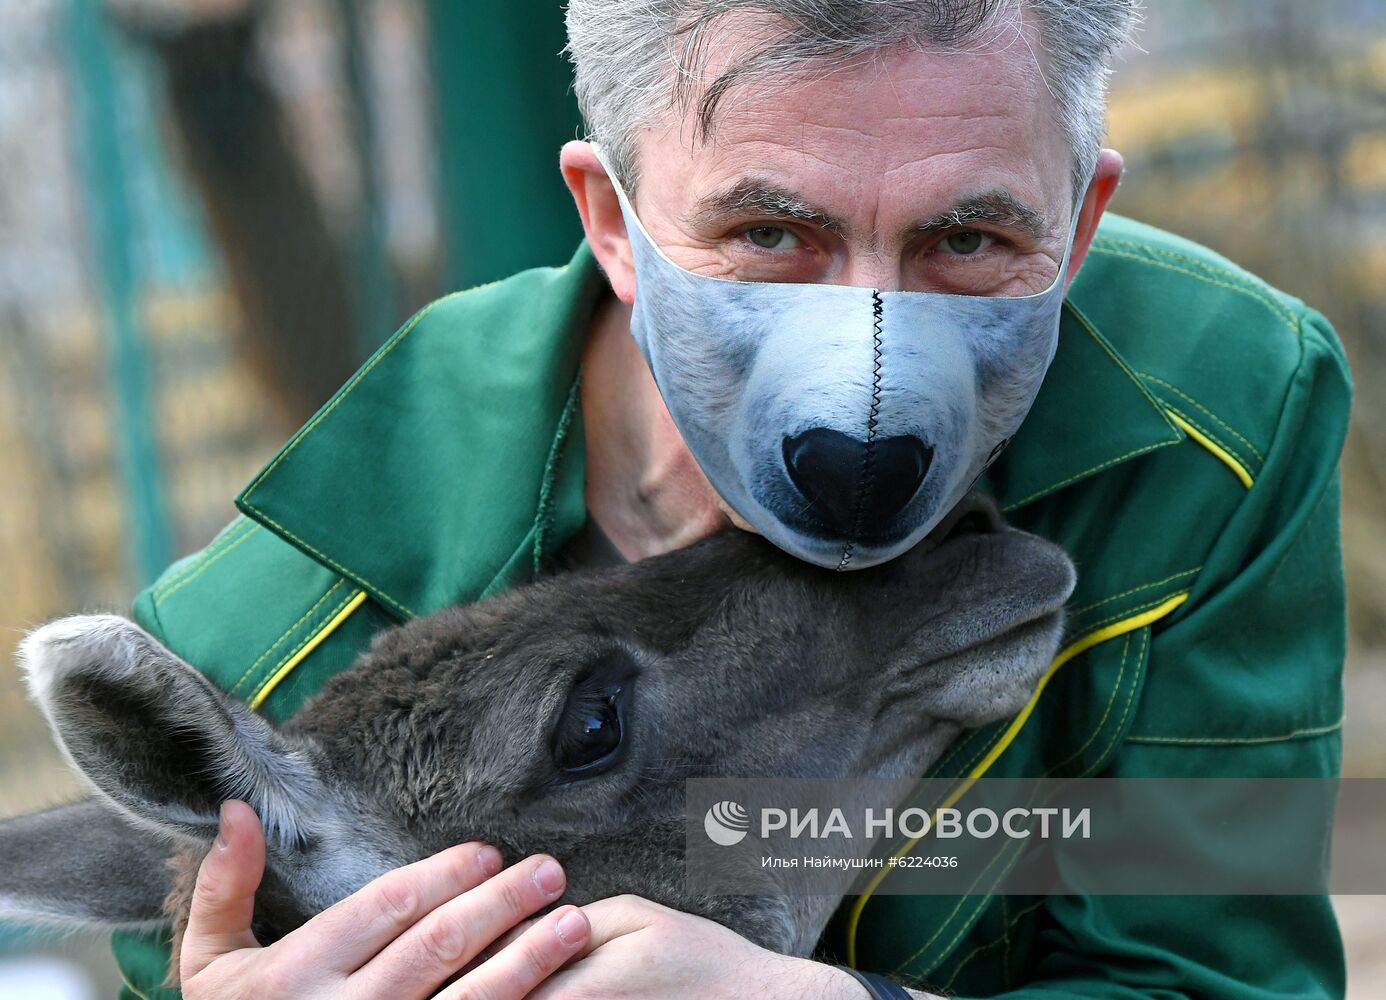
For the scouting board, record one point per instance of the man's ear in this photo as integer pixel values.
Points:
(1103, 186)
(82, 864)
(157, 739)
(601, 215)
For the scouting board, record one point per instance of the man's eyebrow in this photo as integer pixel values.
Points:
(758, 196)
(1000, 208)
(755, 196)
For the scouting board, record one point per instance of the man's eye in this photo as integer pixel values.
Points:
(967, 242)
(773, 238)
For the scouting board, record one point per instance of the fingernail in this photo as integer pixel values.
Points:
(571, 927)
(548, 877)
(489, 859)
(223, 828)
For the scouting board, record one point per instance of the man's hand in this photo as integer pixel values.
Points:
(402, 936)
(641, 950)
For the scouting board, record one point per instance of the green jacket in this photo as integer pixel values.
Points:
(1183, 450)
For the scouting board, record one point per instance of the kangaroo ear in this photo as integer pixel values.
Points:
(156, 738)
(82, 864)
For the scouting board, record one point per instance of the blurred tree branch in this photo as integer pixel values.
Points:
(288, 271)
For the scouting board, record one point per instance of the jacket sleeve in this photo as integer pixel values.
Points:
(1246, 683)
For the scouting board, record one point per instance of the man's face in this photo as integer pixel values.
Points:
(909, 171)
(918, 171)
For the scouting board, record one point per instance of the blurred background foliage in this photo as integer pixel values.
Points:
(211, 211)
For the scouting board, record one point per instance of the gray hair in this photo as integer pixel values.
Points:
(634, 58)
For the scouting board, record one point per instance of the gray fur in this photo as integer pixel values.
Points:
(740, 660)
(128, 716)
(82, 864)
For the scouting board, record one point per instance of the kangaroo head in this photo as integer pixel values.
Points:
(564, 716)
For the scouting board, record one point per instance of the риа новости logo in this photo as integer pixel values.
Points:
(727, 823)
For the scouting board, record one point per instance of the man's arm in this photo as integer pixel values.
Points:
(1247, 683)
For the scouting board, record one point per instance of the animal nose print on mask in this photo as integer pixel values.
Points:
(843, 423)
(852, 483)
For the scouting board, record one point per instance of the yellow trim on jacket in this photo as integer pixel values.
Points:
(1073, 649)
(1218, 451)
(308, 647)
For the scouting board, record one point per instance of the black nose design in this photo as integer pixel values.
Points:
(849, 494)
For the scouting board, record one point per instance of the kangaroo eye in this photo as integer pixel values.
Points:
(590, 736)
(592, 730)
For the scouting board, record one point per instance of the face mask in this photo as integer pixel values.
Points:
(842, 422)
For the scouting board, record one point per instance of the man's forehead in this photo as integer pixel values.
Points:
(939, 129)
(998, 68)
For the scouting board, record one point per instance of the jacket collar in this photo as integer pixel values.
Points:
(452, 462)
(1092, 413)
(443, 469)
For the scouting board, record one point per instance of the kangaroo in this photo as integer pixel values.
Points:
(562, 716)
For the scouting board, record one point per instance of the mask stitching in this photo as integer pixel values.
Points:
(868, 470)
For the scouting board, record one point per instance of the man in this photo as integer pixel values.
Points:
(1183, 449)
